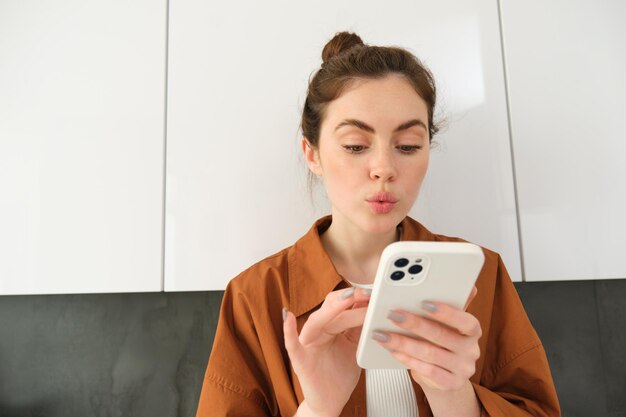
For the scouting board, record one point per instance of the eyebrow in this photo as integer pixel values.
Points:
(364, 126)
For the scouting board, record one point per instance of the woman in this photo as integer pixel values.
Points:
(367, 126)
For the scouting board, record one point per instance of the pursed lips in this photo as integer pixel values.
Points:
(382, 202)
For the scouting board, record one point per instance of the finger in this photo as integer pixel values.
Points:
(346, 320)
(460, 320)
(428, 329)
(290, 331)
(362, 295)
(422, 350)
(471, 297)
(436, 376)
(335, 303)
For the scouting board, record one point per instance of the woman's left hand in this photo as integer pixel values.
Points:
(443, 349)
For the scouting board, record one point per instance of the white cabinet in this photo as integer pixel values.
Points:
(82, 96)
(566, 62)
(237, 76)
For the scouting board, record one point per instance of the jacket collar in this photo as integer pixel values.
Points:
(312, 274)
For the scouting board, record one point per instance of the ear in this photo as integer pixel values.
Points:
(312, 157)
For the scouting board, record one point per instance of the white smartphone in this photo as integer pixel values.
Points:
(408, 274)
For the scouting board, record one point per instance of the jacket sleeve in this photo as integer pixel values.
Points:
(234, 380)
(516, 380)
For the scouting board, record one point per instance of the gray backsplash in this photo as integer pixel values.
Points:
(144, 354)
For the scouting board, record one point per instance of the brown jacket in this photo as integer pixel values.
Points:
(249, 372)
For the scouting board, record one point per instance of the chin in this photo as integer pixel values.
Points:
(382, 223)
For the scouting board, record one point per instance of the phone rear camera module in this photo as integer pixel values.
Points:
(401, 263)
(415, 269)
(397, 275)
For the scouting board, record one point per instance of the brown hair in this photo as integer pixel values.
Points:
(347, 59)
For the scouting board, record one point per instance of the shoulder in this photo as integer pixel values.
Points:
(493, 269)
(492, 258)
(492, 279)
(269, 266)
(247, 337)
(268, 276)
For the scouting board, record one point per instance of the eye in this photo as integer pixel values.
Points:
(354, 148)
(409, 149)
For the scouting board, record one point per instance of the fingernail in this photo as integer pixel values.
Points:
(380, 336)
(284, 313)
(367, 291)
(395, 316)
(428, 306)
(347, 293)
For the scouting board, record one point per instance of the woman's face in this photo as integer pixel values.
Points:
(373, 152)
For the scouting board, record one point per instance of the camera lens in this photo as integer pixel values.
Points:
(415, 269)
(397, 275)
(402, 262)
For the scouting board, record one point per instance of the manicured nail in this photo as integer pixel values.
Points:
(347, 293)
(284, 313)
(428, 306)
(380, 336)
(367, 291)
(395, 316)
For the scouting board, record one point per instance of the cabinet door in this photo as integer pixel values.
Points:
(566, 62)
(81, 145)
(238, 71)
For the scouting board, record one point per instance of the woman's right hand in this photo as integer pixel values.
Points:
(323, 356)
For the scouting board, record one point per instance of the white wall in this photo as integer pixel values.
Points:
(238, 71)
(94, 199)
(82, 97)
(568, 112)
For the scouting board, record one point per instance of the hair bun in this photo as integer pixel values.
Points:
(341, 42)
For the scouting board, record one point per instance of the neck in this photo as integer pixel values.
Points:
(354, 252)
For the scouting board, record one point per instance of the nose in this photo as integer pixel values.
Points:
(382, 166)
